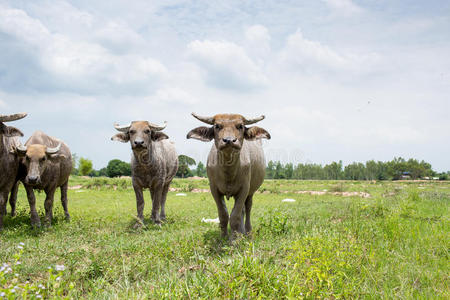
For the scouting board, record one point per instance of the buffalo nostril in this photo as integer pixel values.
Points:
(32, 178)
(137, 143)
(234, 140)
(226, 140)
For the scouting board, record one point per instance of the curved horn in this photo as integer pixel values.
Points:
(157, 127)
(21, 148)
(53, 150)
(122, 128)
(14, 117)
(207, 120)
(254, 120)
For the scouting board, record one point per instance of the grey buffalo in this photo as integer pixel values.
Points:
(235, 167)
(9, 163)
(154, 164)
(48, 163)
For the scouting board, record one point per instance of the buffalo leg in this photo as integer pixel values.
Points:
(163, 202)
(13, 198)
(156, 194)
(139, 205)
(64, 200)
(3, 203)
(222, 210)
(35, 221)
(248, 208)
(236, 223)
(3, 198)
(48, 204)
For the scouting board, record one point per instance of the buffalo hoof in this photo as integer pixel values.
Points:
(67, 218)
(13, 213)
(138, 225)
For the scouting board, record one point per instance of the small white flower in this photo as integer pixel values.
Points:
(12, 291)
(20, 247)
(17, 275)
(18, 263)
(2, 269)
(22, 244)
(38, 296)
(2, 294)
(27, 282)
(60, 268)
(41, 286)
(58, 278)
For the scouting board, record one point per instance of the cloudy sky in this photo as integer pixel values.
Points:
(336, 79)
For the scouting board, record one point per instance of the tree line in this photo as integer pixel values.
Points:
(395, 169)
(398, 168)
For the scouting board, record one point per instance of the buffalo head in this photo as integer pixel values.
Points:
(36, 158)
(10, 131)
(140, 134)
(228, 131)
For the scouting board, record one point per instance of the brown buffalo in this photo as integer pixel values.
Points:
(235, 167)
(154, 164)
(48, 163)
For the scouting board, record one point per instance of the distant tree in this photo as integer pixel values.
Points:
(117, 168)
(289, 171)
(201, 170)
(279, 171)
(184, 162)
(85, 166)
(270, 170)
(74, 164)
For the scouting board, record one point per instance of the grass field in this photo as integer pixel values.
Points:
(393, 244)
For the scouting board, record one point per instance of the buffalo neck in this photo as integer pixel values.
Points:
(229, 163)
(145, 156)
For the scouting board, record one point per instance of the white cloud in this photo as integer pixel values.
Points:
(311, 56)
(227, 65)
(173, 95)
(258, 42)
(344, 7)
(81, 64)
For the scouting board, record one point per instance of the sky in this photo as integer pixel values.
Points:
(336, 79)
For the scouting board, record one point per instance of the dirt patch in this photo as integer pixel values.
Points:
(316, 193)
(75, 187)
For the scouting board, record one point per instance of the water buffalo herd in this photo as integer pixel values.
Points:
(235, 166)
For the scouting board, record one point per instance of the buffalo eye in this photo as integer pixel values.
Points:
(217, 126)
(43, 159)
(240, 126)
(147, 131)
(132, 131)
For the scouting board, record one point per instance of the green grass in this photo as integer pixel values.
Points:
(394, 244)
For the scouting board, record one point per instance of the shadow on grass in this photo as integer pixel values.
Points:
(215, 243)
(20, 225)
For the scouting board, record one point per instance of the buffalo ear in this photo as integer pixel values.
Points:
(255, 132)
(159, 136)
(121, 137)
(10, 131)
(202, 133)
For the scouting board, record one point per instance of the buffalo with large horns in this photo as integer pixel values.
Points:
(9, 163)
(235, 167)
(48, 163)
(154, 163)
